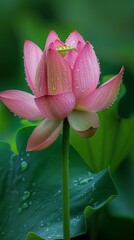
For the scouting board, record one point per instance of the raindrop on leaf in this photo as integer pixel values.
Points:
(20, 210)
(34, 193)
(26, 195)
(24, 166)
(25, 205)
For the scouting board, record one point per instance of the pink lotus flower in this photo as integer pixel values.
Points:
(64, 81)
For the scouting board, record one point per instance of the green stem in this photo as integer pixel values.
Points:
(94, 226)
(65, 180)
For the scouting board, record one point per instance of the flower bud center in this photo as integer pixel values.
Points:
(63, 50)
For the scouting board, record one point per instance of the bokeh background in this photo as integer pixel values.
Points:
(108, 25)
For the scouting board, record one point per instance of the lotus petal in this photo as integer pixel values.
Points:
(44, 135)
(56, 106)
(86, 71)
(103, 96)
(21, 103)
(32, 56)
(59, 74)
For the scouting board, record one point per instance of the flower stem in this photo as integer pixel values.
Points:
(94, 226)
(65, 180)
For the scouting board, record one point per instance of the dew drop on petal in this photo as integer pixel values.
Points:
(54, 88)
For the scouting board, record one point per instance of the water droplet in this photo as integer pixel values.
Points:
(25, 205)
(30, 203)
(53, 88)
(81, 181)
(95, 204)
(23, 179)
(73, 42)
(84, 181)
(81, 195)
(59, 236)
(42, 223)
(47, 229)
(34, 193)
(90, 175)
(20, 210)
(93, 184)
(21, 158)
(70, 101)
(28, 154)
(24, 166)
(26, 195)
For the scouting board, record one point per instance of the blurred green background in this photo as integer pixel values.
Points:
(108, 25)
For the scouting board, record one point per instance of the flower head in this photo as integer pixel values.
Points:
(63, 79)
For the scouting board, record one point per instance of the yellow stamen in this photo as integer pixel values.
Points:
(64, 49)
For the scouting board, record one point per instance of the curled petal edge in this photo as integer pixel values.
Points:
(88, 133)
(83, 121)
(103, 96)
